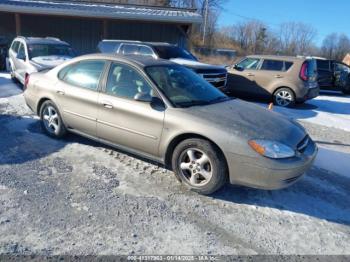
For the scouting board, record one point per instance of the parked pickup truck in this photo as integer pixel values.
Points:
(216, 75)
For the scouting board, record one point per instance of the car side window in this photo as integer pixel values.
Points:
(130, 49)
(145, 50)
(85, 74)
(21, 51)
(249, 63)
(15, 46)
(124, 81)
(287, 65)
(272, 65)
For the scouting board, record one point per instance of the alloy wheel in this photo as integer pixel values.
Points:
(195, 167)
(284, 98)
(51, 120)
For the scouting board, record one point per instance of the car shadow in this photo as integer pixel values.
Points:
(320, 194)
(18, 144)
(7, 87)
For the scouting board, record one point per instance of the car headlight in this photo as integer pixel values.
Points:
(271, 149)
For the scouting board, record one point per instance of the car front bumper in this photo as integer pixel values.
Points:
(270, 174)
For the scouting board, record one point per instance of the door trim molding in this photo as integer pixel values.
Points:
(127, 129)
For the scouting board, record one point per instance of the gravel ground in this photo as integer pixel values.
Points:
(77, 197)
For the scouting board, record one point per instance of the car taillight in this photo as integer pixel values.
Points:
(26, 81)
(303, 72)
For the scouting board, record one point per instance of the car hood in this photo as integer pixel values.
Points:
(47, 62)
(244, 119)
(196, 64)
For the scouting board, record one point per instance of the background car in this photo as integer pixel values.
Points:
(33, 54)
(333, 75)
(3, 52)
(216, 75)
(283, 79)
(165, 112)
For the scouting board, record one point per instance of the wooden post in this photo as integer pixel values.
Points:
(18, 24)
(105, 29)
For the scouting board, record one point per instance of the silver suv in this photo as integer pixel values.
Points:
(33, 54)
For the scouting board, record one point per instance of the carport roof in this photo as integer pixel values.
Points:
(101, 10)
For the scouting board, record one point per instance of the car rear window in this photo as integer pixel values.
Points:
(272, 65)
(287, 65)
(107, 47)
(15, 46)
(130, 49)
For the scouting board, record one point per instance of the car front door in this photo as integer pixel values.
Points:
(240, 79)
(127, 122)
(77, 94)
(325, 74)
(20, 62)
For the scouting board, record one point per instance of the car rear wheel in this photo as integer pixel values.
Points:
(284, 97)
(51, 120)
(200, 166)
(12, 74)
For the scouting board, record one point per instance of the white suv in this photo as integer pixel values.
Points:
(33, 54)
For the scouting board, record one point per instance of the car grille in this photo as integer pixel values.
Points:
(216, 79)
(303, 144)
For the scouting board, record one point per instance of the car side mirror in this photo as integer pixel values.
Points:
(143, 97)
(238, 68)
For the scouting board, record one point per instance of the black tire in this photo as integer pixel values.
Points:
(13, 77)
(284, 97)
(346, 91)
(216, 164)
(58, 132)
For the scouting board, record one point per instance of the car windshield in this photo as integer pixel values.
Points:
(36, 50)
(183, 87)
(169, 52)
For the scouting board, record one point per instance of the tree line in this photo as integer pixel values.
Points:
(256, 37)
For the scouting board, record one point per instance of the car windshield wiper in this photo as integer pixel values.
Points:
(219, 99)
(193, 103)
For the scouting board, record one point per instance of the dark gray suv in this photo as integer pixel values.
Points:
(216, 75)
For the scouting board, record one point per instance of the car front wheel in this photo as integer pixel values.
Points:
(51, 120)
(284, 97)
(200, 165)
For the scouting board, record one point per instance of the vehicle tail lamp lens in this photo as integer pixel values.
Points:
(303, 72)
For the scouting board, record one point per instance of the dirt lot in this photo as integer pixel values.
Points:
(74, 196)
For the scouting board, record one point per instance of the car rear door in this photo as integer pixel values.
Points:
(124, 121)
(270, 72)
(77, 94)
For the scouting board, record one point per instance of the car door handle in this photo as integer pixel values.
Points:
(60, 92)
(278, 76)
(107, 104)
(250, 74)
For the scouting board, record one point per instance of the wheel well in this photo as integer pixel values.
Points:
(42, 100)
(179, 139)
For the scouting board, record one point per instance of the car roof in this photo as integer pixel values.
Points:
(138, 42)
(139, 60)
(42, 40)
(277, 57)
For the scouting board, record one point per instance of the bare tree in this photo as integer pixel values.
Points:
(335, 46)
(296, 38)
